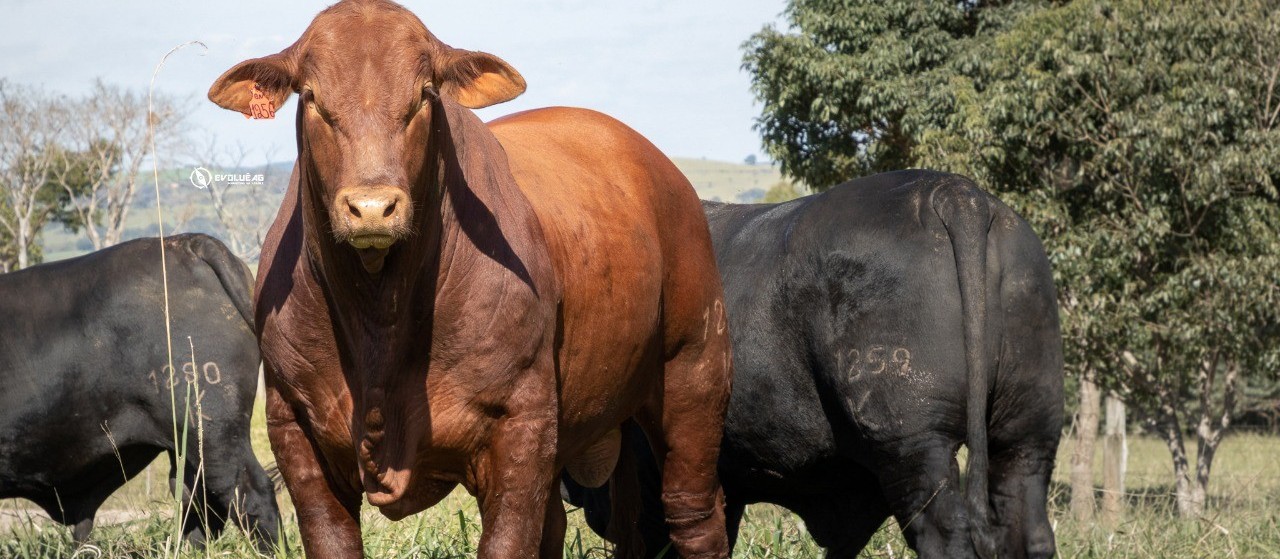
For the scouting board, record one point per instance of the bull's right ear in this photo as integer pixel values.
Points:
(274, 75)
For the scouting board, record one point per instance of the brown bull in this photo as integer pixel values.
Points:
(442, 303)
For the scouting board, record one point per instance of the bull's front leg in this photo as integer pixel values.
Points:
(515, 475)
(328, 512)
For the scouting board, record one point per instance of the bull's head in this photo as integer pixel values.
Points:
(367, 73)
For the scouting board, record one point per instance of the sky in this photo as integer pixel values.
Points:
(670, 69)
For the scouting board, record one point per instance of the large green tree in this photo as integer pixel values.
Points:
(835, 86)
(1139, 138)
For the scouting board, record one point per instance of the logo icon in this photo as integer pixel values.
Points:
(201, 178)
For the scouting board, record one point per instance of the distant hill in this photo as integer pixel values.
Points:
(728, 182)
(191, 208)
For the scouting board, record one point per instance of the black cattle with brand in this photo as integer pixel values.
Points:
(876, 328)
(89, 391)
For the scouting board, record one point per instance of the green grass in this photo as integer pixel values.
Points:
(1242, 518)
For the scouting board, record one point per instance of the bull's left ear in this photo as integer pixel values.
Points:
(479, 79)
(273, 75)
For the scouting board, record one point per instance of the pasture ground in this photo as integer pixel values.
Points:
(1243, 519)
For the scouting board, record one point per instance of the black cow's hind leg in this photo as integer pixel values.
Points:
(733, 511)
(1019, 483)
(71, 512)
(843, 523)
(921, 482)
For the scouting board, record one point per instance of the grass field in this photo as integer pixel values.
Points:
(1242, 519)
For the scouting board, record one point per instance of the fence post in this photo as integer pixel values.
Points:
(1115, 457)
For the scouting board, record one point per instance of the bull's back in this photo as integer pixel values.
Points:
(598, 189)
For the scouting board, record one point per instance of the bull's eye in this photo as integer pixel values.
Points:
(309, 97)
(424, 99)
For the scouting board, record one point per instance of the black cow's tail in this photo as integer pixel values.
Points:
(235, 276)
(966, 214)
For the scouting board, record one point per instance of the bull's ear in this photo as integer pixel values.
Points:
(272, 74)
(479, 79)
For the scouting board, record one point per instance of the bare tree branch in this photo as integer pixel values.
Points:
(32, 125)
(112, 131)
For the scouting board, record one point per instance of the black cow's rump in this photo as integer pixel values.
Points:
(852, 372)
(86, 386)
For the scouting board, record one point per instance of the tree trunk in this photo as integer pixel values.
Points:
(24, 253)
(1115, 457)
(1210, 429)
(1086, 434)
(1171, 431)
(1172, 434)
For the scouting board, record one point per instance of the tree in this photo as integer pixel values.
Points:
(74, 161)
(8, 246)
(32, 125)
(111, 131)
(1142, 144)
(835, 86)
(1168, 139)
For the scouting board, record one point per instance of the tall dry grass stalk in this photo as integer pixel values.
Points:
(179, 447)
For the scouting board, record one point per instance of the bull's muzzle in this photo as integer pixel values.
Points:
(373, 216)
(371, 219)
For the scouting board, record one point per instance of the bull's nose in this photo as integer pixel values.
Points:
(362, 205)
(370, 207)
(372, 215)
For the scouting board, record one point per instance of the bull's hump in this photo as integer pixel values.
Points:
(556, 116)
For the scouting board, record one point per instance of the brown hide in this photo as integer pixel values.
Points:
(522, 289)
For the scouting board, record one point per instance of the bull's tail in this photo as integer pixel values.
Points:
(966, 214)
(235, 276)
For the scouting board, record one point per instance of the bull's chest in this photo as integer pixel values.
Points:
(444, 418)
(440, 412)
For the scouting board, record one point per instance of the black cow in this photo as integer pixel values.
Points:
(877, 327)
(85, 383)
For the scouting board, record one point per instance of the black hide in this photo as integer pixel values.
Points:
(851, 384)
(85, 377)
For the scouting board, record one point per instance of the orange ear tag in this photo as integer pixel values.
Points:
(260, 106)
